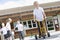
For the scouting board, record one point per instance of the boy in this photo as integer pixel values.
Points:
(20, 30)
(3, 32)
(39, 16)
(8, 26)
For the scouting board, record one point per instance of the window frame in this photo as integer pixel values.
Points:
(28, 24)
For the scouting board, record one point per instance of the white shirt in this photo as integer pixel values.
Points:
(20, 27)
(4, 30)
(38, 13)
(8, 26)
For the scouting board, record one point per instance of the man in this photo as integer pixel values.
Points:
(20, 30)
(8, 26)
(39, 16)
(3, 32)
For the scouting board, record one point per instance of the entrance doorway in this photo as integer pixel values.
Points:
(50, 24)
(56, 23)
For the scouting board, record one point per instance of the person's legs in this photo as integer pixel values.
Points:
(44, 27)
(9, 34)
(22, 35)
(5, 37)
(12, 37)
(39, 29)
(42, 24)
(19, 35)
(9, 38)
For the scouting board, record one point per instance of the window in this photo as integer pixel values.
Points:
(50, 24)
(29, 24)
(34, 24)
(25, 24)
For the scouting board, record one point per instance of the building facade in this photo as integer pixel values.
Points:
(25, 15)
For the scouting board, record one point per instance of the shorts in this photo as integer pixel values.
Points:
(5, 36)
(9, 33)
(21, 34)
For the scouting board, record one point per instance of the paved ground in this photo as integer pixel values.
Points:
(54, 36)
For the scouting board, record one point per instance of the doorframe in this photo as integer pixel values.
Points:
(47, 26)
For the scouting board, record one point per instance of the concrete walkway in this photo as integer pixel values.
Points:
(55, 35)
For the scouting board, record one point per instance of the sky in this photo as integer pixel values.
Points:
(6, 4)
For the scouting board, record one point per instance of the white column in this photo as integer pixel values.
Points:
(2, 37)
(59, 20)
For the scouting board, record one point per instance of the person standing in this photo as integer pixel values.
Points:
(3, 32)
(39, 16)
(20, 30)
(8, 26)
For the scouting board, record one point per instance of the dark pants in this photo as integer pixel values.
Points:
(21, 35)
(9, 33)
(39, 24)
(41, 27)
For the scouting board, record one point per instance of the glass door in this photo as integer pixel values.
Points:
(56, 23)
(50, 24)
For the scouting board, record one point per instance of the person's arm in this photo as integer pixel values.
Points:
(7, 26)
(43, 13)
(0, 29)
(34, 16)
